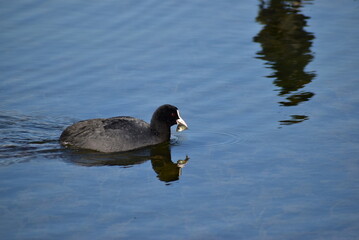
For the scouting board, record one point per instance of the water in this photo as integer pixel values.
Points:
(268, 90)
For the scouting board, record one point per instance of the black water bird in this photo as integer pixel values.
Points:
(119, 134)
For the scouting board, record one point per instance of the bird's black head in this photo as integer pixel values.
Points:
(169, 115)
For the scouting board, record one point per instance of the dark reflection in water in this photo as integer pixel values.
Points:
(160, 156)
(286, 49)
(162, 164)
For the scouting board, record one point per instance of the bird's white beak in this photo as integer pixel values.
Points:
(181, 124)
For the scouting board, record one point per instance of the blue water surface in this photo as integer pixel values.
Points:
(268, 89)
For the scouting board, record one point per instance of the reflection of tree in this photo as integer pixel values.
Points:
(160, 156)
(286, 48)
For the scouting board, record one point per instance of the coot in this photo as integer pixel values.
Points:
(120, 134)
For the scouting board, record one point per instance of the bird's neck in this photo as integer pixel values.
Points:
(161, 130)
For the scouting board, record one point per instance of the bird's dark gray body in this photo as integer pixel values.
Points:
(118, 134)
(109, 135)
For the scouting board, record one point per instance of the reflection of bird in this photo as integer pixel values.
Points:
(123, 133)
(286, 48)
(160, 156)
(162, 164)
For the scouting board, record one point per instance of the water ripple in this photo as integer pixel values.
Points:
(200, 139)
(24, 138)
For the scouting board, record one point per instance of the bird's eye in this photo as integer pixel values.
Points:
(173, 114)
